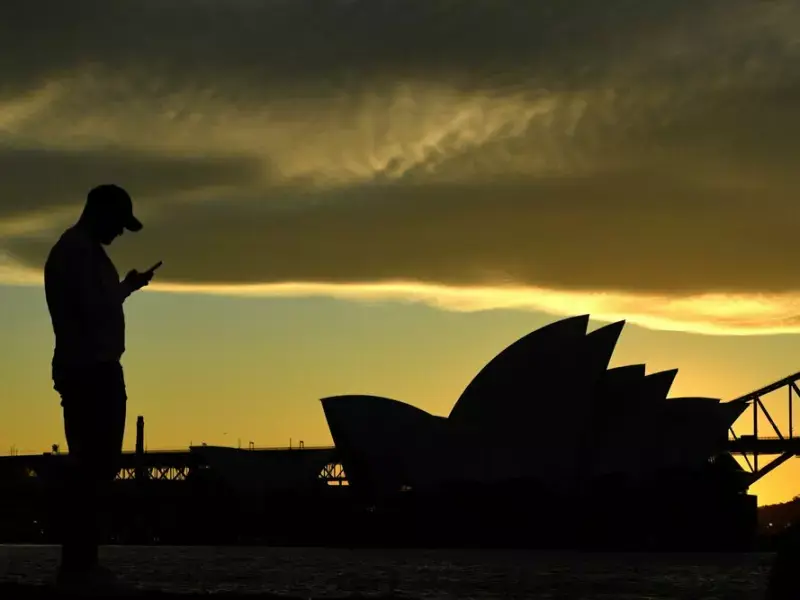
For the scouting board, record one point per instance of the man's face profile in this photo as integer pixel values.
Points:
(109, 228)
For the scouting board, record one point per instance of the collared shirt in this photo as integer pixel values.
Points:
(85, 297)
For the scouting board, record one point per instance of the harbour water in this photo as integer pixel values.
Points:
(417, 574)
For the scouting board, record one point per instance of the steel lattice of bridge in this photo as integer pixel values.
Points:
(780, 443)
(304, 466)
(262, 468)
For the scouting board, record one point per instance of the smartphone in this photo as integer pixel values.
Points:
(154, 267)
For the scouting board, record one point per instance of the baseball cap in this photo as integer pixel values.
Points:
(114, 201)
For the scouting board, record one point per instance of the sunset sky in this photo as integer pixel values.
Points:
(377, 196)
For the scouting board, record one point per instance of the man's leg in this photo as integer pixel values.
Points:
(78, 519)
(94, 421)
(111, 436)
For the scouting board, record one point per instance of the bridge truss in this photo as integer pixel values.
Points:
(157, 473)
(168, 465)
(333, 474)
(778, 442)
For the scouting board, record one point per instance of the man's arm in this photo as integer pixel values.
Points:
(126, 288)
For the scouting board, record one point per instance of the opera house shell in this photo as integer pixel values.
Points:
(547, 409)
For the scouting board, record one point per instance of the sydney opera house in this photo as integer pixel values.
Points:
(547, 444)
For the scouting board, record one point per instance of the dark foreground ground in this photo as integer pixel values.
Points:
(163, 572)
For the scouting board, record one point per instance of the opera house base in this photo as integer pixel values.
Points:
(512, 515)
(518, 515)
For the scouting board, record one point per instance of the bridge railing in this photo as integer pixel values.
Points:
(265, 448)
(188, 449)
(760, 438)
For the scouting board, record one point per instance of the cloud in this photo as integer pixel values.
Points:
(708, 314)
(534, 155)
(36, 179)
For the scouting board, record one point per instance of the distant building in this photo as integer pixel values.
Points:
(547, 408)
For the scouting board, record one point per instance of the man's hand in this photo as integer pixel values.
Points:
(136, 280)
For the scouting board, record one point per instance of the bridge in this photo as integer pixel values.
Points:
(299, 466)
(780, 443)
(309, 463)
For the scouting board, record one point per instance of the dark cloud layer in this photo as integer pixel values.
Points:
(622, 145)
(582, 238)
(39, 179)
(280, 41)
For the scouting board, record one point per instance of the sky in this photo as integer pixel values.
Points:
(375, 196)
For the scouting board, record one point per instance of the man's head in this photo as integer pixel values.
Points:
(108, 212)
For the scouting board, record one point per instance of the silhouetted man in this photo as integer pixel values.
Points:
(85, 297)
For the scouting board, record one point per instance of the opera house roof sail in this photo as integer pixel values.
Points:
(547, 408)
